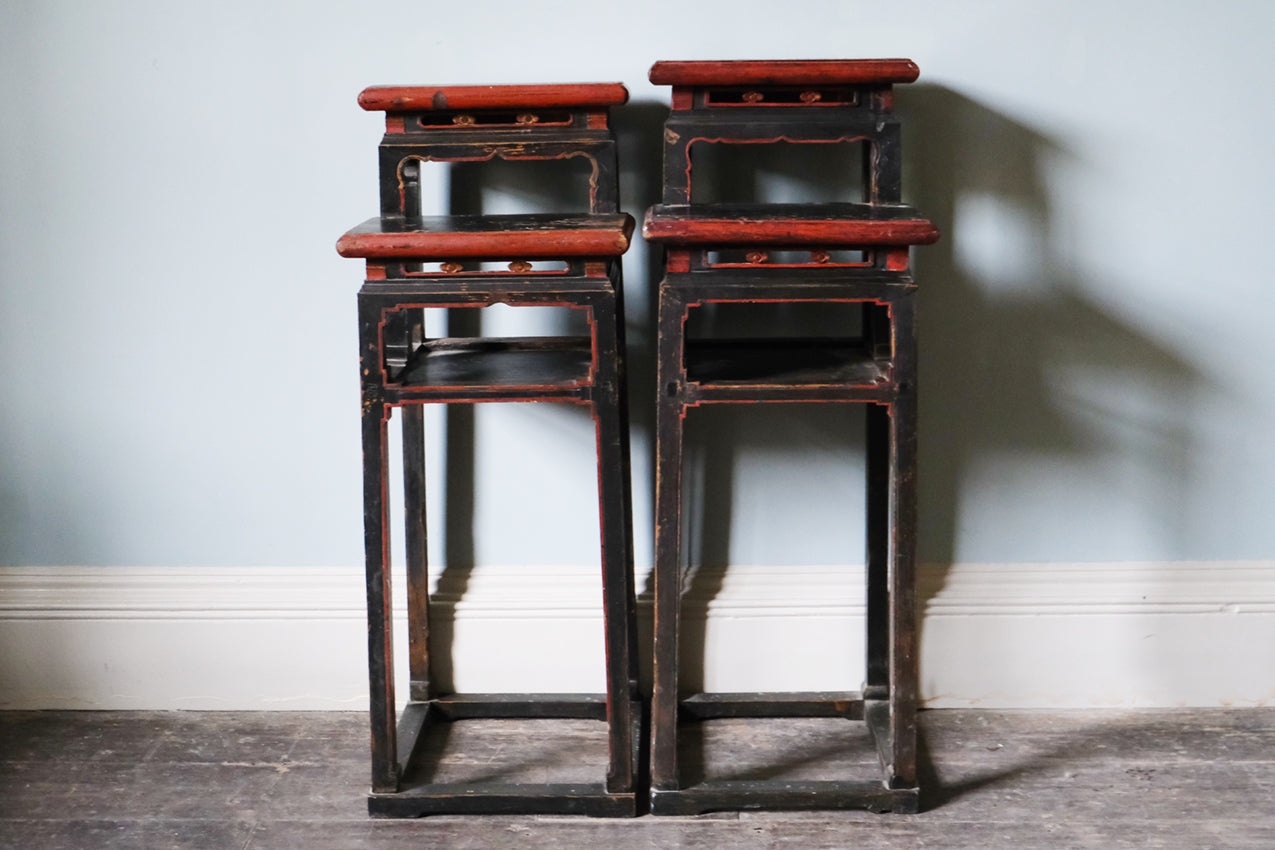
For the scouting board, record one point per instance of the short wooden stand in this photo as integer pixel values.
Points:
(402, 368)
(723, 254)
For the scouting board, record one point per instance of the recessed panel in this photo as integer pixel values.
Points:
(517, 186)
(785, 319)
(778, 172)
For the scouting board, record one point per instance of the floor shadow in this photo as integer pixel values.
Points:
(776, 750)
(934, 794)
(500, 752)
(983, 757)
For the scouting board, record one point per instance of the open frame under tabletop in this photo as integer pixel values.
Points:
(417, 265)
(876, 369)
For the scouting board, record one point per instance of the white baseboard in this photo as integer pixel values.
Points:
(993, 635)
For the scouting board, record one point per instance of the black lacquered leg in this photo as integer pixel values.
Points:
(617, 569)
(885, 169)
(876, 684)
(603, 191)
(668, 509)
(380, 621)
(903, 658)
(417, 552)
(677, 181)
(379, 600)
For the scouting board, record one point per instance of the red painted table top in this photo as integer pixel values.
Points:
(788, 224)
(788, 72)
(563, 96)
(496, 237)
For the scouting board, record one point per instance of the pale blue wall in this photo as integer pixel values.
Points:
(177, 374)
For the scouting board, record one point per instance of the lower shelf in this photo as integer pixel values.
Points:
(779, 795)
(531, 362)
(739, 752)
(507, 754)
(784, 362)
(591, 800)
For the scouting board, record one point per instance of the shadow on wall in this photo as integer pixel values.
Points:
(1009, 338)
(1010, 346)
(524, 186)
(1033, 397)
(639, 132)
(1021, 372)
(766, 484)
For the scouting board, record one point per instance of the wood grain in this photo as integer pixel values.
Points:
(488, 237)
(792, 72)
(431, 98)
(772, 224)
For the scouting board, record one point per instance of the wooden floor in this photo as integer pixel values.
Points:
(1186, 778)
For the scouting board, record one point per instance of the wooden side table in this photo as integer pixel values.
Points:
(419, 263)
(854, 253)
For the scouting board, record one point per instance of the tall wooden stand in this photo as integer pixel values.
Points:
(419, 263)
(848, 253)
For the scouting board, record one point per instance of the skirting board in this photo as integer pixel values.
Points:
(993, 635)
